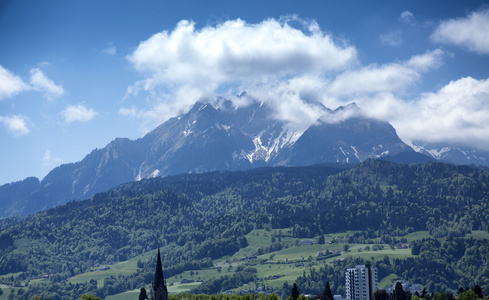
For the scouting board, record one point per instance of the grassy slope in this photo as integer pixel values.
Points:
(6, 292)
(122, 268)
(289, 263)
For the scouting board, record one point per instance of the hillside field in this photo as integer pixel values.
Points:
(287, 263)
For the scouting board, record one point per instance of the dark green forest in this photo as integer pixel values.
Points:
(197, 218)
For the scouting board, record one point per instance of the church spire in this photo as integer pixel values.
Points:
(159, 291)
(159, 279)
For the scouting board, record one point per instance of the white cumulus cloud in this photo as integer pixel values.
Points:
(471, 32)
(15, 124)
(458, 112)
(236, 50)
(78, 112)
(10, 84)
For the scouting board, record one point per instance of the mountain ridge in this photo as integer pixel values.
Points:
(211, 136)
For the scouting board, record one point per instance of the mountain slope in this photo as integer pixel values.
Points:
(205, 216)
(211, 137)
(349, 141)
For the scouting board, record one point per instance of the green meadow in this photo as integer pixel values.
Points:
(274, 268)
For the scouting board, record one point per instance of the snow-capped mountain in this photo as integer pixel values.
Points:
(453, 153)
(213, 136)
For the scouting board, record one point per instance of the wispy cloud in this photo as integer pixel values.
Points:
(40, 82)
(49, 161)
(78, 112)
(15, 124)
(407, 17)
(471, 32)
(393, 38)
(387, 78)
(11, 84)
(110, 49)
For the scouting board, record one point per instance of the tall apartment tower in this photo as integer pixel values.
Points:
(361, 282)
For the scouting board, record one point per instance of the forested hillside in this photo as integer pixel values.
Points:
(197, 218)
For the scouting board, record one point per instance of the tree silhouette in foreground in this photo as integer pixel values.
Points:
(142, 294)
(478, 291)
(295, 292)
(398, 293)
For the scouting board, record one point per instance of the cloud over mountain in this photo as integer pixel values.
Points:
(393, 77)
(192, 63)
(458, 112)
(299, 70)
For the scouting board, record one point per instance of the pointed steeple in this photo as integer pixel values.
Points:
(159, 279)
(159, 290)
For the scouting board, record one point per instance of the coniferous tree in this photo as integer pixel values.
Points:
(478, 291)
(399, 293)
(142, 294)
(295, 292)
(327, 293)
(381, 295)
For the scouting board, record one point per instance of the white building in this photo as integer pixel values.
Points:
(361, 282)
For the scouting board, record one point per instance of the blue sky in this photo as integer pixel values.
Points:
(74, 75)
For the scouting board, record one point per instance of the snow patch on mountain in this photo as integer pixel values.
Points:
(345, 154)
(356, 152)
(438, 153)
(154, 174)
(259, 153)
(223, 126)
